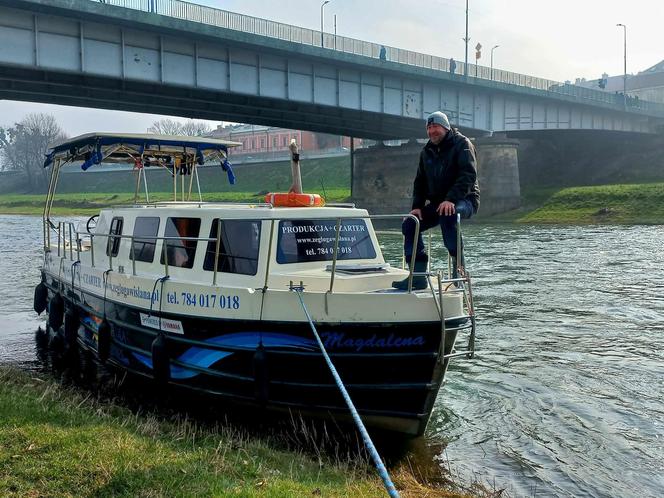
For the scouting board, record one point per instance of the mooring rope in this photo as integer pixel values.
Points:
(382, 471)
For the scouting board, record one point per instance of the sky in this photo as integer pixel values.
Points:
(559, 40)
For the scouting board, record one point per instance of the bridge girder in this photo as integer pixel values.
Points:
(77, 52)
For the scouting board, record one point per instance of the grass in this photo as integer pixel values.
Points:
(329, 177)
(634, 204)
(61, 441)
(317, 175)
(531, 198)
(91, 203)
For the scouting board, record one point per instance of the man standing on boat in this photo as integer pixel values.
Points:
(446, 178)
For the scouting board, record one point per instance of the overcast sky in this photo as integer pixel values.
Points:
(559, 39)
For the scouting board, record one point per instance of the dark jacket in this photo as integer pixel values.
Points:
(447, 172)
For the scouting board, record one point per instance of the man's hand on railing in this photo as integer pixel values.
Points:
(418, 213)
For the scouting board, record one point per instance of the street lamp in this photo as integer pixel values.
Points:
(625, 61)
(335, 31)
(321, 20)
(492, 49)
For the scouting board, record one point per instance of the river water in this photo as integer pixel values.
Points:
(564, 396)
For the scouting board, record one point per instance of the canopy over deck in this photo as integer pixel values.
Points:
(179, 155)
(162, 150)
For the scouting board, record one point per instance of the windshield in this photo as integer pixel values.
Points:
(301, 241)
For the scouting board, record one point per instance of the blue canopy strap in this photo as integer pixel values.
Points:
(96, 157)
(49, 159)
(200, 159)
(226, 166)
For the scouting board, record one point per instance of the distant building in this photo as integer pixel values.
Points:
(646, 85)
(272, 142)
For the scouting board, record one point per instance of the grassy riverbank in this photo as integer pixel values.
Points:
(90, 203)
(633, 204)
(61, 441)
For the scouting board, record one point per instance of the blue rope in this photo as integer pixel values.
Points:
(382, 471)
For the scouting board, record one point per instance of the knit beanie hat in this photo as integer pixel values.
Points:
(439, 118)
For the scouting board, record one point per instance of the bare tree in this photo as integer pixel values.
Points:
(23, 147)
(189, 128)
(193, 128)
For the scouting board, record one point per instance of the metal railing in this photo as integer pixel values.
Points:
(65, 240)
(248, 24)
(69, 238)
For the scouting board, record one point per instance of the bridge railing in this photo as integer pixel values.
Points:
(272, 29)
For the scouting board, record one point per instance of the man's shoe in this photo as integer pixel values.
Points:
(419, 281)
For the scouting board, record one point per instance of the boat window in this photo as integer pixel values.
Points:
(181, 252)
(301, 241)
(145, 233)
(113, 244)
(238, 247)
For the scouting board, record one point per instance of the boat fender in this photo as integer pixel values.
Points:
(41, 298)
(104, 340)
(71, 326)
(161, 367)
(56, 310)
(260, 375)
(292, 199)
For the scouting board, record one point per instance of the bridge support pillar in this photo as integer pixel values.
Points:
(383, 176)
(498, 174)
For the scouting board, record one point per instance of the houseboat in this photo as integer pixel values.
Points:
(221, 298)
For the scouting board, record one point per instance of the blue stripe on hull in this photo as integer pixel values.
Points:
(205, 358)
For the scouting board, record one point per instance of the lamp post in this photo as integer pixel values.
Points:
(625, 61)
(492, 49)
(335, 31)
(321, 20)
(466, 39)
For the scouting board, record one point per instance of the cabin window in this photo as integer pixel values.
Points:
(180, 252)
(113, 244)
(238, 247)
(301, 241)
(145, 239)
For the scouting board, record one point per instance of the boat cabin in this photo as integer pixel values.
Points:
(181, 240)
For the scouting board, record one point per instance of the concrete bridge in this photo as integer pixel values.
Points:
(195, 61)
(176, 58)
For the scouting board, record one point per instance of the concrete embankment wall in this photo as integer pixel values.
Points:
(572, 158)
(383, 176)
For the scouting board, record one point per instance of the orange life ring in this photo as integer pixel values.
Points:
(291, 199)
